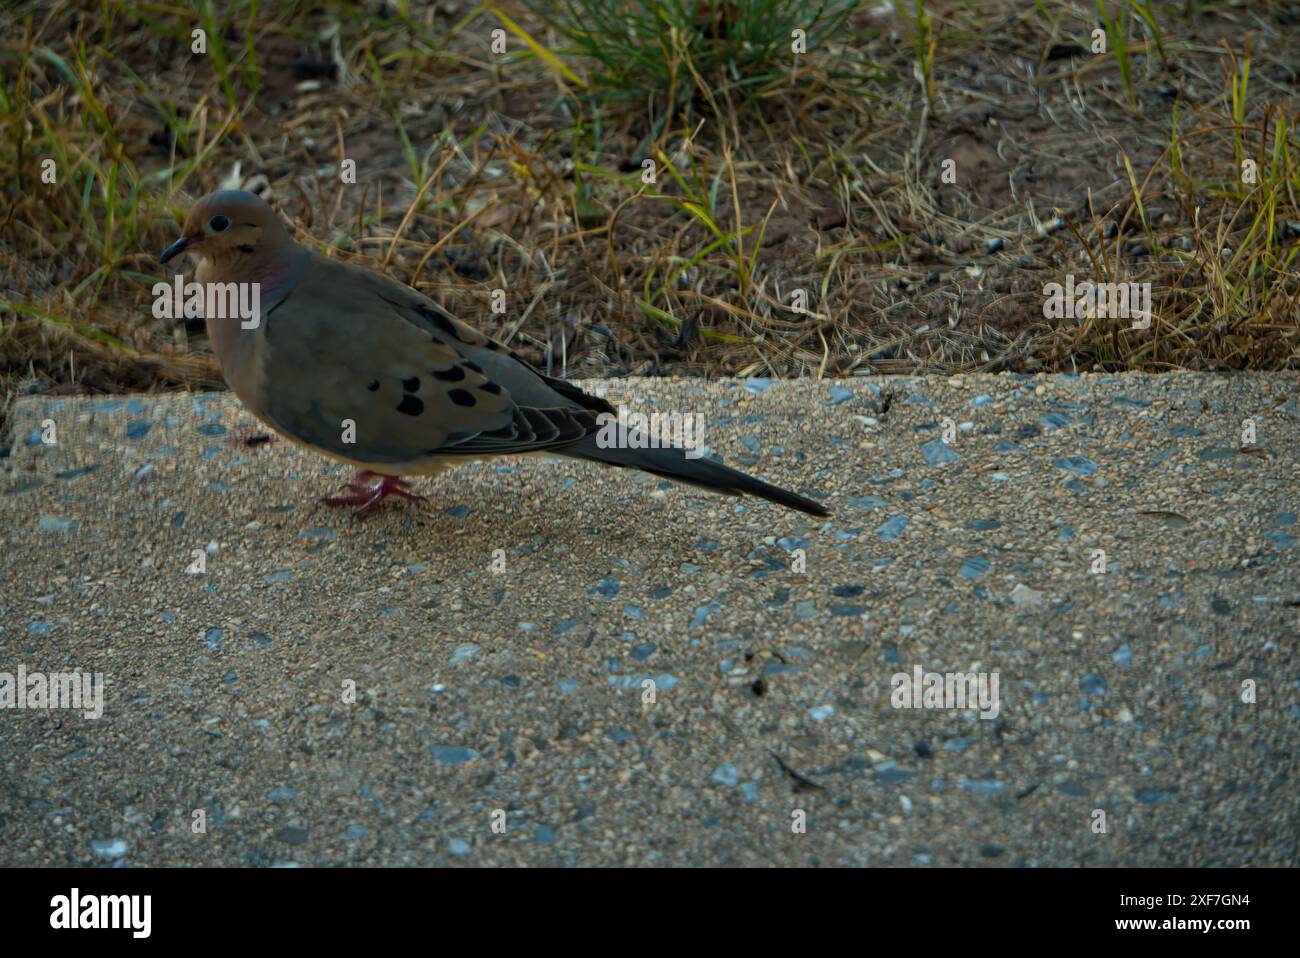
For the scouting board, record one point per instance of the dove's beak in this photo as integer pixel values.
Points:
(180, 246)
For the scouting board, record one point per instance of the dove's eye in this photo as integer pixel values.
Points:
(218, 223)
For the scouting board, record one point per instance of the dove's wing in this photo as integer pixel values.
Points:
(372, 372)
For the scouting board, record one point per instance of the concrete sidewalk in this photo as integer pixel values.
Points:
(520, 697)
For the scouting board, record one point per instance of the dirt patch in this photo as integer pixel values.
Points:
(525, 185)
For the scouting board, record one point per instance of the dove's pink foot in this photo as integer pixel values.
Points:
(369, 489)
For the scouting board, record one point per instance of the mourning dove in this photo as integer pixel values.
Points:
(335, 344)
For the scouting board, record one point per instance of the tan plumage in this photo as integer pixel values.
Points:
(339, 344)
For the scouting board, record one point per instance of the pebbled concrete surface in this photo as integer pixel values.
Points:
(517, 697)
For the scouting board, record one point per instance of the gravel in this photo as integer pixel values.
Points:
(660, 676)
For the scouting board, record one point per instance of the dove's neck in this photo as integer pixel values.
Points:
(276, 269)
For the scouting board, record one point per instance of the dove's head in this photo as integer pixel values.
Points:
(229, 225)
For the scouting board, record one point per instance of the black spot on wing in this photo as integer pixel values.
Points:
(440, 321)
(410, 405)
(461, 397)
(491, 387)
(411, 385)
(373, 385)
(453, 375)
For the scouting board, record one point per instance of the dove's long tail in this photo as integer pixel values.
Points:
(705, 473)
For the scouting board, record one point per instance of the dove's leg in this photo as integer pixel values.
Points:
(369, 489)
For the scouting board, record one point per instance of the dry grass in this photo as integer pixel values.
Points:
(478, 171)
